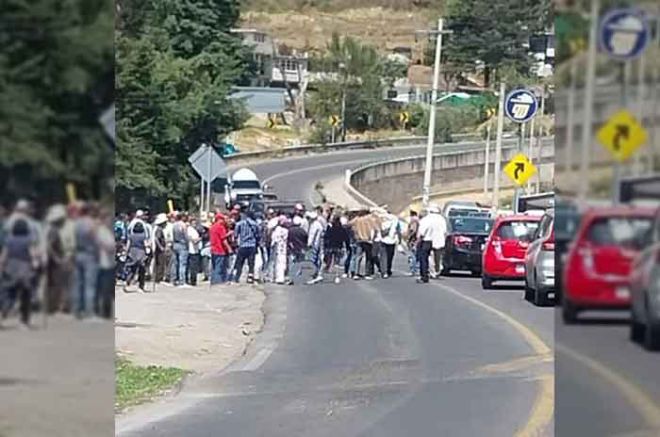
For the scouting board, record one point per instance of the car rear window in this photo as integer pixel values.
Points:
(517, 230)
(458, 212)
(471, 225)
(620, 231)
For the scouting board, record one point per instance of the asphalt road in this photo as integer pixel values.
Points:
(374, 358)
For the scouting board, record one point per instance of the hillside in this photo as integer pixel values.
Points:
(383, 23)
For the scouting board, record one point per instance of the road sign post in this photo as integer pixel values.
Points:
(208, 165)
(498, 147)
(624, 34)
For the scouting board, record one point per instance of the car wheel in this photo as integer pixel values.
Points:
(486, 282)
(528, 291)
(568, 312)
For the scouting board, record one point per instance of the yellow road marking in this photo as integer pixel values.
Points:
(544, 404)
(640, 401)
(516, 364)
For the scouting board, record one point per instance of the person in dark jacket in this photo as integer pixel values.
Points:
(18, 264)
(337, 240)
(297, 247)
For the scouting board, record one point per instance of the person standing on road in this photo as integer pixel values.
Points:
(349, 261)
(439, 237)
(411, 240)
(432, 229)
(57, 266)
(299, 210)
(18, 264)
(160, 248)
(315, 244)
(179, 250)
(247, 237)
(137, 256)
(375, 224)
(105, 286)
(337, 240)
(220, 249)
(279, 249)
(391, 236)
(86, 263)
(297, 245)
(194, 259)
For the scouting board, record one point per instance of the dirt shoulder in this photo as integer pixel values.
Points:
(198, 329)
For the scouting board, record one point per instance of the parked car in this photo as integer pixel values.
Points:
(645, 291)
(506, 246)
(464, 244)
(597, 271)
(455, 208)
(540, 262)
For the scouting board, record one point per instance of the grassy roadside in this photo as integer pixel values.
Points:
(138, 384)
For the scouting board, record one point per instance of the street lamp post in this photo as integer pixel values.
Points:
(426, 191)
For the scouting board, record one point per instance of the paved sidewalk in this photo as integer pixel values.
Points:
(199, 329)
(336, 193)
(57, 381)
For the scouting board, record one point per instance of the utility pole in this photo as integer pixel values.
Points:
(489, 126)
(587, 123)
(570, 123)
(209, 179)
(343, 114)
(426, 190)
(539, 141)
(498, 147)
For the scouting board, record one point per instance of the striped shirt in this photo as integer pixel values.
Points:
(247, 233)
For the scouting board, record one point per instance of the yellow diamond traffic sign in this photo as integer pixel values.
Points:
(271, 123)
(520, 169)
(622, 135)
(404, 117)
(334, 120)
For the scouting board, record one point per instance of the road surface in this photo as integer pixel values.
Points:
(374, 358)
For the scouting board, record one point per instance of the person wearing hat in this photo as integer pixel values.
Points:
(160, 248)
(278, 249)
(411, 240)
(431, 236)
(299, 211)
(297, 247)
(58, 265)
(315, 243)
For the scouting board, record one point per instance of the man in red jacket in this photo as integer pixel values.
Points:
(220, 249)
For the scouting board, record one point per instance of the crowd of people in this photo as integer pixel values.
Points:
(60, 260)
(177, 248)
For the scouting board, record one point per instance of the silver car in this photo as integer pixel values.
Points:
(540, 263)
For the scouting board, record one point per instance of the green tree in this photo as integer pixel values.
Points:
(176, 65)
(495, 32)
(55, 81)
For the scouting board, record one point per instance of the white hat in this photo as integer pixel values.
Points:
(299, 207)
(312, 215)
(22, 205)
(56, 213)
(434, 209)
(297, 220)
(160, 219)
(139, 213)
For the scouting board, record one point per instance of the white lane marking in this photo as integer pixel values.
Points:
(258, 360)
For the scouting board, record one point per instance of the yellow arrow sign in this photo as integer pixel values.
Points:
(404, 117)
(271, 123)
(520, 169)
(622, 135)
(334, 120)
(490, 112)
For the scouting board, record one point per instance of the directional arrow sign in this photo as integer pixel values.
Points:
(520, 169)
(334, 120)
(271, 123)
(622, 135)
(404, 117)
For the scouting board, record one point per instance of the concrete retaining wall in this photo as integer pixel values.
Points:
(396, 182)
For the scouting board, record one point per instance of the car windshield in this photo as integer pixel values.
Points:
(620, 231)
(469, 225)
(246, 184)
(517, 230)
(457, 212)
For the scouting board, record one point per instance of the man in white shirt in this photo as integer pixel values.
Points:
(390, 237)
(194, 258)
(431, 238)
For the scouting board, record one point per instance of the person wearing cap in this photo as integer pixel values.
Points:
(299, 211)
(220, 249)
(431, 236)
(391, 236)
(179, 250)
(194, 258)
(160, 248)
(57, 264)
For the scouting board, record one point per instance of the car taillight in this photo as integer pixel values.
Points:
(461, 240)
(548, 246)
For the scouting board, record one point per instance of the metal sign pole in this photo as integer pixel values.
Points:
(530, 150)
(616, 179)
(487, 157)
(638, 167)
(539, 142)
(587, 124)
(570, 124)
(498, 147)
(209, 179)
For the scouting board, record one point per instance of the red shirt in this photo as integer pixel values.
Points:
(218, 234)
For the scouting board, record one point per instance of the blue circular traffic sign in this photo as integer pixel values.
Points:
(624, 33)
(521, 105)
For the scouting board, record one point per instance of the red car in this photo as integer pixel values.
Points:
(504, 255)
(599, 261)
